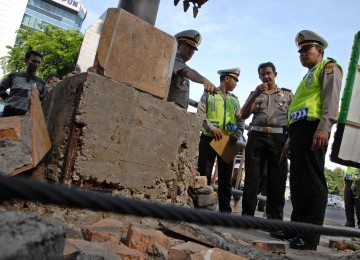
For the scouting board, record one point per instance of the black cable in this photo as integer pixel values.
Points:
(19, 188)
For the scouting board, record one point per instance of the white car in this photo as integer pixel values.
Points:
(335, 201)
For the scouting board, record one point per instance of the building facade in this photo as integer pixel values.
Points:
(65, 14)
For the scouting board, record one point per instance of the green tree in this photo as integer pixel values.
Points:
(60, 49)
(335, 180)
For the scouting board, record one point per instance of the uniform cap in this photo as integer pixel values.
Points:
(192, 37)
(234, 73)
(307, 37)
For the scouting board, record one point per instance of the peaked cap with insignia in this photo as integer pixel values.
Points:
(307, 37)
(192, 37)
(234, 72)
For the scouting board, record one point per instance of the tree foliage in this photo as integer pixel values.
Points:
(60, 49)
(335, 180)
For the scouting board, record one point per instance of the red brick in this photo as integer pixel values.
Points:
(200, 182)
(104, 230)
(142, 239)
(185, 250)
(272, 246)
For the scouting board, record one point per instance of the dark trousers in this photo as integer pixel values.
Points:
(262, 190)
(206, 161)
(261, 149)
(351, 203)
(307, 180)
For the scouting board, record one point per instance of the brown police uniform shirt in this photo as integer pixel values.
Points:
(179, 86)
(330, 85)
(271, 109)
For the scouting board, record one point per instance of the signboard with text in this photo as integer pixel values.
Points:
(72, 4)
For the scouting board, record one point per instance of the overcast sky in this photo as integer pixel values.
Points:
(244, 34)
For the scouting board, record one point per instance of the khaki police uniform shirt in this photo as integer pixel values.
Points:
(271, 109)
(179, 86)
(330, 87)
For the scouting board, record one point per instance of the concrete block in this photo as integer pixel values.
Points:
(27, 236)
(185, 250)
(104, 132)
(142, 239)
(206, 190)
(272, 246)
(215, 254)
(136, 53)
(202, 200)
(104, 230)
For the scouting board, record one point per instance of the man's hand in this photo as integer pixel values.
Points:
(208, 86)
(285, 152)
(261, 88)
(218, 134)
(233, 139)
(320, 139)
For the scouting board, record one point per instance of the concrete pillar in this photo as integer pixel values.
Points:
(144, 9)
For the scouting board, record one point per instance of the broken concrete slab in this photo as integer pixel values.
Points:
(109, 135)
(194, 233)
(28, 236)
(81, 249)
(24, 140)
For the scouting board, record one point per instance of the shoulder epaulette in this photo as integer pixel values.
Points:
(331, 59)
(286, 89)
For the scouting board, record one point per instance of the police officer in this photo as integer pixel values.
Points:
(311, 115)
(221, 111)
(267, 136)
(352, 201)
(188, 41)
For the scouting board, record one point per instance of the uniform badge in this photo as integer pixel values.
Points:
(299, 114)
(197, 39)
(329, 68)
(300, 38)
(231, 127)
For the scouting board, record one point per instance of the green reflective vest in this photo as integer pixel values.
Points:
(352, 174)
(222, 112)
(307, 102)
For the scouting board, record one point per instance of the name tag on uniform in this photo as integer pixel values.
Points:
(299, 114)
(231, 127)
